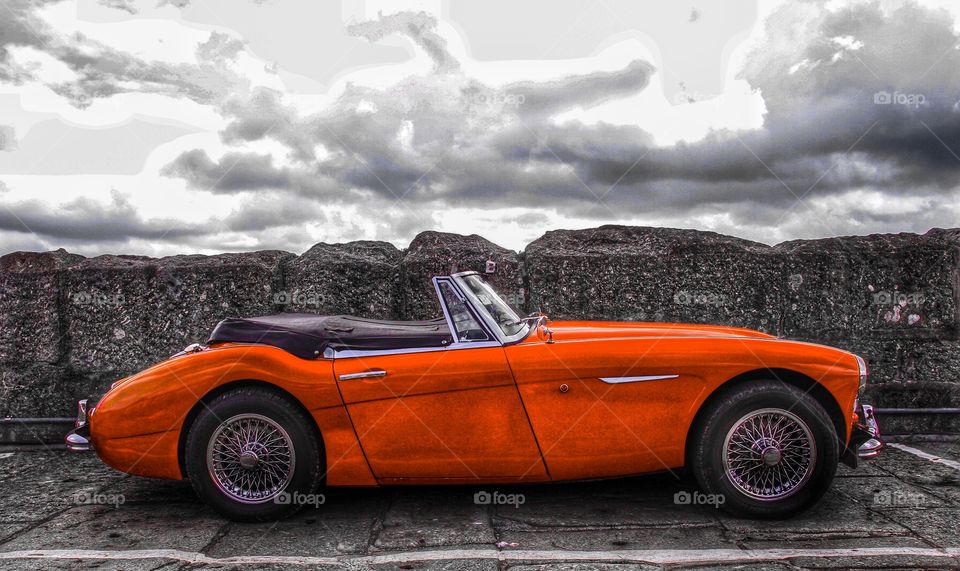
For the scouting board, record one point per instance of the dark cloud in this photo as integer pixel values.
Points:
(271, 211)
(235, 171)
(862, 121)
(446, 138)
(88, 220)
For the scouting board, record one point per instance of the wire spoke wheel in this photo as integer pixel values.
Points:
(769, 454)
(250, 458)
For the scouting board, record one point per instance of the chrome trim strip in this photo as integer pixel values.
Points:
(363, 375)
(640, 379)
(378, 352)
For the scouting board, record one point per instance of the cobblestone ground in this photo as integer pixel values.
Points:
(900, 511)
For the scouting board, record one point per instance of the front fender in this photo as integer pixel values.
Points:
(136, 427)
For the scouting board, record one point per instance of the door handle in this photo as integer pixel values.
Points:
(376, 373)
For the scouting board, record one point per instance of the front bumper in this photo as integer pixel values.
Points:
(78, 439)
(865, 440)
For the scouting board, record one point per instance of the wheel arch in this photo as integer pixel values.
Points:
(219, 390)
(788, 376)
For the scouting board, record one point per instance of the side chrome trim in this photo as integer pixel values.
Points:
(640, 379)
(378, 373)
(378, 352)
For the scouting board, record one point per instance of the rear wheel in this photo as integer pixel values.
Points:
(769, 448)
(253, 455)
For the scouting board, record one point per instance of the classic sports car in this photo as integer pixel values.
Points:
(272, 407)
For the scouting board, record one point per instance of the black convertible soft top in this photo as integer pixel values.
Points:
(307, 335)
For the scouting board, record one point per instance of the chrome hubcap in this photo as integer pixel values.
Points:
(250, 458)
(769, 454)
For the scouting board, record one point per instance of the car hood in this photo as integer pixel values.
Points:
(577, 330)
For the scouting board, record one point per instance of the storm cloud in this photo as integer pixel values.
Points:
(857, 100)
(861, 133)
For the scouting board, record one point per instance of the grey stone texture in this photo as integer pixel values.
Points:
(71, 325)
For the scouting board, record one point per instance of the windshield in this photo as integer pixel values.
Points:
(506, 318)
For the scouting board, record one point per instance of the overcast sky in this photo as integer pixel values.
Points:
(206, 126)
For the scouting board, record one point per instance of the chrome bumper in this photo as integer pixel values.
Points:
(78, 439)
(865, 441)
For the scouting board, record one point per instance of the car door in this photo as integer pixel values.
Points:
(604, 408)
(449, 413)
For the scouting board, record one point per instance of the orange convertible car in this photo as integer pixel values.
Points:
(272, 407)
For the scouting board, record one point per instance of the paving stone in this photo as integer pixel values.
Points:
(769, 566)
(189, 527)
(835, 516)
(434, 517)
(98, 564)
(867, 469)
(671, 537)
(640, 502)
(885, 562)
(936, 479)
(342, 525)
(453, 565)
(36, 485)
(626, 514)
(887, 493)
(582, 567)
(939, 525)
(137, 490)
(907, 540)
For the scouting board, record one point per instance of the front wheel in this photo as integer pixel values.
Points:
(767, 448)
(253, 455)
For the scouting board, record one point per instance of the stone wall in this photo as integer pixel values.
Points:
(70, 325)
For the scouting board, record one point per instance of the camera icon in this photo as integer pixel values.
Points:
(882, 98)
(283, 498)
(482, 498)
(682, 498)
(282, 298)
(82, 298)
(882, 498)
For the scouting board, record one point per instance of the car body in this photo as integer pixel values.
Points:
(479, 396)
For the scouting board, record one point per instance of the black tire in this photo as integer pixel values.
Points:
(759, 402)
(291, 457)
